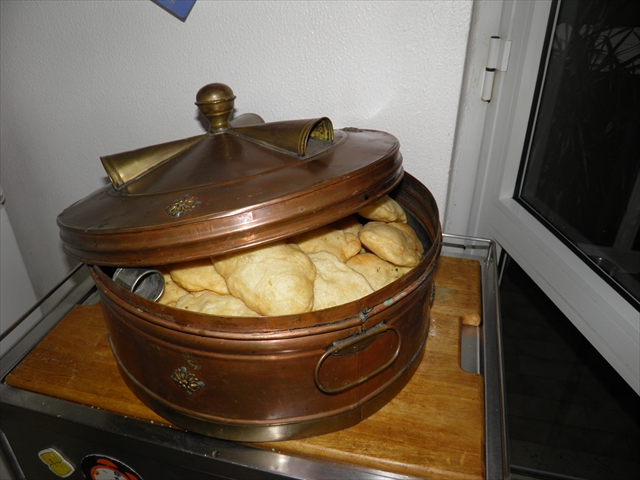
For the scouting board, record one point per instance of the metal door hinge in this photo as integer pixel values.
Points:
(498, 61)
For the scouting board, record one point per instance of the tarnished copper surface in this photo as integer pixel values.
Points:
(246, 183)
(243, 183)
(270, 378)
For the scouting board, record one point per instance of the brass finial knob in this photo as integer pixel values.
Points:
(215, 102)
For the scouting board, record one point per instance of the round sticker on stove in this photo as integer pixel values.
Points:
(101, 467)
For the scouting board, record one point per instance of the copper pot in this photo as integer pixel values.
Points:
(273, 377)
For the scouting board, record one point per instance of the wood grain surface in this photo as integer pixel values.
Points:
(434, 428)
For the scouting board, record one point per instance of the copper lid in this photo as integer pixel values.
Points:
(243, 183)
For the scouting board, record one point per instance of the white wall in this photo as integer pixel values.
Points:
(16, 292)
(81, 79)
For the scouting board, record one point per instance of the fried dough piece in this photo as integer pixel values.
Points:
(348, 224)
(172, 292)
(336, 283)
(341, 243)
(198, 275)
(394, 242)
(275, 279)
(385, 209)
(213, 303)
(378, 272)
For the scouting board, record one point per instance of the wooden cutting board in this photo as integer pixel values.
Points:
(434, 428)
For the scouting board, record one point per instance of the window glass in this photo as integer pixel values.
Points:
(581, 174)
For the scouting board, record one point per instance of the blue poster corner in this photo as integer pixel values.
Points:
(178, 8)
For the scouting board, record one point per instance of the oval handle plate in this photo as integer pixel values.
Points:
(340, 345)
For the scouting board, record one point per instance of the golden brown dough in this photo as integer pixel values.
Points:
(336, 283)
(348, 224)
(172, 292)
(385, 209)
(378, 272)
(198, 275)
(341, 243)
(394, 242)
(213, 303)
(275, 279)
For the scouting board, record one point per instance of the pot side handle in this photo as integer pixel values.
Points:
(340, 345)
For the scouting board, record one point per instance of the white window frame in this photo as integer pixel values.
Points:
(599, 312)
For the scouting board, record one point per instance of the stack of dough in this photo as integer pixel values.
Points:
(337, 239)
(319, 269)
(215, 304)
(396, 242)
(172, 291)
(275, 279)
(378, 272)
(336, 283)
(384, 210)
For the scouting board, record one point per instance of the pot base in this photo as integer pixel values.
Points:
(244, 432)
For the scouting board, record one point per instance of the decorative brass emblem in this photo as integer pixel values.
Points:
(187, 380)
(182, 205)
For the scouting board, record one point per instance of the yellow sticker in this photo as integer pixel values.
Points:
(57, 464)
